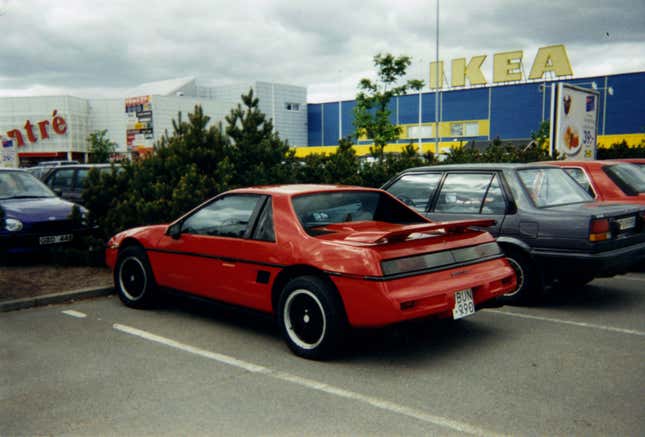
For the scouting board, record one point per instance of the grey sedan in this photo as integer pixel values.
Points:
(549, 227)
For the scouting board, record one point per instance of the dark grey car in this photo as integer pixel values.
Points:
(550, 228)
(68, 181)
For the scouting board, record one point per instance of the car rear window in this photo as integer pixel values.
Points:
(320, 209)
(628, 177)
(552, 187)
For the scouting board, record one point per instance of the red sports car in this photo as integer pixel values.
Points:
(610, 180)
(320, 258)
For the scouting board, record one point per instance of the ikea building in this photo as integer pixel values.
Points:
(510, 112)
(469, 109)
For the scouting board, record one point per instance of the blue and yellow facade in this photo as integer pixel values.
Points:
(510, 112)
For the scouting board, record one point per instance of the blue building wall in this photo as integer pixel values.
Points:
(469, 104)
(515, 110)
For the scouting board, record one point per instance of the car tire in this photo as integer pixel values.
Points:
(133, 278)
(311, 317)
(528, 287)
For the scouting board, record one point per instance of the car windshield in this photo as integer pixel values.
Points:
(18, 184)
(320, 209)
(628, 177)
(551, 187)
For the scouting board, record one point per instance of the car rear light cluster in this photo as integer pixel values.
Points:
(436, 260)
(599, 230)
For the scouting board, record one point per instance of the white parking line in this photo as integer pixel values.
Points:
(309, 383)
(77, 314)
(634, 278)
(567, 322)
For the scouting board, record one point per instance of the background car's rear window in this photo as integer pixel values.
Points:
(628, 177)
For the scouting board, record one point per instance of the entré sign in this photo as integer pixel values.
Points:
(41, 130)
(507, 67)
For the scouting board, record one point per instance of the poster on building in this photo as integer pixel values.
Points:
(9, 156)
(576, 122)
(139, 134)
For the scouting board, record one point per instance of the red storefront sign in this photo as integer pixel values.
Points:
(40, 130)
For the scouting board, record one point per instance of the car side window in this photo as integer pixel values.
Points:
(81, 175)
(580, 177)
(494, 203)
(415, 190)
(62, 179)
(463, 193)
(264, 228)
(225, 217)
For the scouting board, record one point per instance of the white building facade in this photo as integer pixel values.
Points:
(36, 129)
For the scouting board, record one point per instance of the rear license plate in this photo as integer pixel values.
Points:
(464, 304)
(54, 239)
(626, 223)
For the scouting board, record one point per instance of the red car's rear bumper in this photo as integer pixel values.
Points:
(379, 303)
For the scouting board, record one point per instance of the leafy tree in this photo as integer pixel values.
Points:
(258, 154)
(463, 154)
(343, 166)
(312, 169)
(372, 113)
(542, 135)
(100, 146)
(622, 150)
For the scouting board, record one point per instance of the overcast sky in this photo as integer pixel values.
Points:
(94, 48)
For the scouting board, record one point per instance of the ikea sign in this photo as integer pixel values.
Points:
(507, 67)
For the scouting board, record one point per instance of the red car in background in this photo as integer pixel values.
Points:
(320, 258)
(611, 180)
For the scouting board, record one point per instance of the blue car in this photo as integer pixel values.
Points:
(32, 217)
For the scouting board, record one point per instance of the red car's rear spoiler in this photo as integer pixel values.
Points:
(403, 232)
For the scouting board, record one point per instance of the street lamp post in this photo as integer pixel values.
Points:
(420, 116)
(439, 84)
(606, 90)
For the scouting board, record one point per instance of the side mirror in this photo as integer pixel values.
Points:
(58, 191)
(174, 231)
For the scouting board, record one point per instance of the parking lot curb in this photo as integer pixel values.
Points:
(55, 298)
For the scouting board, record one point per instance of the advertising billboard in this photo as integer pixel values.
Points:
(9, 155)
(575, 122)
(139, 133)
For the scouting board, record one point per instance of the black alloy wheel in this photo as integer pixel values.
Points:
(133, 278)
(311, 317)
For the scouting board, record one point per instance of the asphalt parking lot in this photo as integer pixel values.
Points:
(571, 366)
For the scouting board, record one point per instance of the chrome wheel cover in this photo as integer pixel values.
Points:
(133, 279)
(304, 319)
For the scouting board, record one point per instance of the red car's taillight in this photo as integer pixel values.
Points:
(599, 230)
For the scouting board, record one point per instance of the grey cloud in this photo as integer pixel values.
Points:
(119, 44)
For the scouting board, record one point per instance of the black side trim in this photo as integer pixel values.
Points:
(221, 258)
